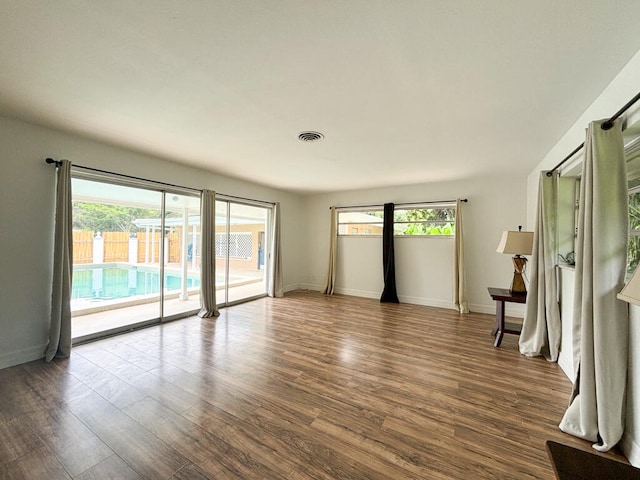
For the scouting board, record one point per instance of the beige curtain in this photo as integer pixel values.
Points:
(275, 258)
(330, 281)
(60, 326)
(208, 307)
(600, 320)
(459, 278)
(541, 329)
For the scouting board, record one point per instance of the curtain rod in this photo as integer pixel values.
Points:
(58, 163)
(406, 203)
(605, 126)
(266, 202)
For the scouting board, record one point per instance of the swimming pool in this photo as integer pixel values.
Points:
(122, 281)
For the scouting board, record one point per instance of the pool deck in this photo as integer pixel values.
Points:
(117, 316)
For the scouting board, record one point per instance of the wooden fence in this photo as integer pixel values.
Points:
(116, 247)
(175, 246)
(82, 246)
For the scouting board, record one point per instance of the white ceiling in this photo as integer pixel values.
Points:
(404, 91)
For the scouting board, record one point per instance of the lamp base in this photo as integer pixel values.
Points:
(517, 284)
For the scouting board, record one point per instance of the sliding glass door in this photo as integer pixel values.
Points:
(136, 256)
(182, 265)
(137, 251)
(241, 250)
(222, 259)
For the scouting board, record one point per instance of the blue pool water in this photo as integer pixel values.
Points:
(109, 282)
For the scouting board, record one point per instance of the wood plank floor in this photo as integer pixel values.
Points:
(307, 386)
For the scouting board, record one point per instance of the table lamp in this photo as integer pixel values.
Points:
(518, 243)
(631, 291)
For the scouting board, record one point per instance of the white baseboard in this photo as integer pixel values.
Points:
(515, 310)
(479, 308)
(25, 355)
(290, 288)
(357, 293)
(427, 302)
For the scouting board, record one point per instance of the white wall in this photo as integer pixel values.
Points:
(424, 266)
(566, 282)
(27, 188)
(619, 92)
(424, 273)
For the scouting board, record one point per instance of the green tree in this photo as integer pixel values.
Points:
(426, 221)
(99, 217)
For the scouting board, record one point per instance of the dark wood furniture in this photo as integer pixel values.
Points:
(570, 463)
(501, 295)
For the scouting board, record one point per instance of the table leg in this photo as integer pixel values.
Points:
(498, 330)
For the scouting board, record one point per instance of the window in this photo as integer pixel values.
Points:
(632, 152)
(569, 201)
(415, 220)
(433, 221)
(350, 222)
(633, 247)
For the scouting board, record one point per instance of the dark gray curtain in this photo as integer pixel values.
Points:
(330, 282)
(389, 294)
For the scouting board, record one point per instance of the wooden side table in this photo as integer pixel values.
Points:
(501, 295)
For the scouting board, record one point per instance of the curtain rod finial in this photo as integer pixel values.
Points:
(51, 161)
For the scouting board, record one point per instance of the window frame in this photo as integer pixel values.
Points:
(345, 228)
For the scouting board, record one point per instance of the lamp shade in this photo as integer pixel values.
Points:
(631, 291)
(519, 243)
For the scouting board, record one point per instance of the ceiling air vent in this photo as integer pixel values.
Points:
(310, 136)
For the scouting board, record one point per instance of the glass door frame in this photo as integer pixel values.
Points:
(268, 207)
(163, 190)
